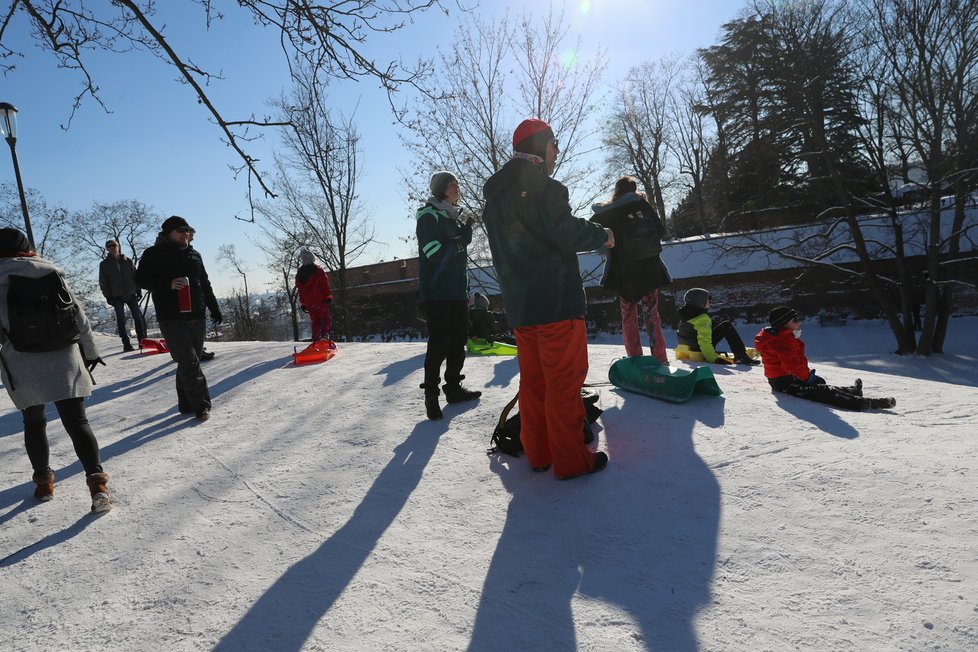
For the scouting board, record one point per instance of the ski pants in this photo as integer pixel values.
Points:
(321, 321)
(120, 304)
(448, 330)
(553, 367)
(649, 305)
(72, 413)
(844, 397)
(185, 339)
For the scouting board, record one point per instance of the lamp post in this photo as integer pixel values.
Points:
(8, 129)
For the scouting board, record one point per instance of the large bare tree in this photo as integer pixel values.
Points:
(327, 38)
(318, 172)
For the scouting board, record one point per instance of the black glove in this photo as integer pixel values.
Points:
(91, 364)
(110, 302)
(469, 222)
(139, 295)
(217, 317)
(303, 309)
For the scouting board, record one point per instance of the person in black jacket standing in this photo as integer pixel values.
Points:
(165, 269)
(117, 279)
(444, 290)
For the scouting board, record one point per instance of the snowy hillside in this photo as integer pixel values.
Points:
(317, 510)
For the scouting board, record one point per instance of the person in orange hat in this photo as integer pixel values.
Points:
(534, 238)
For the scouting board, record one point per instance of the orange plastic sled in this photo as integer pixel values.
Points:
(149, 347)
(320, 351)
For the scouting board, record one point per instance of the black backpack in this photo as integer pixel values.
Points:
(506, 437)
(41, 314)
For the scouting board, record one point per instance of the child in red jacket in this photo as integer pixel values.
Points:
(314, 295)
(786, 367)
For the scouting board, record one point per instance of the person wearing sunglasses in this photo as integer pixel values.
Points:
(117, 280)
(787, 371)
(534, 237)
(166, 269)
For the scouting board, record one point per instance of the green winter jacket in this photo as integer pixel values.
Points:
(534, 238)
(696, 331)
(443, 262)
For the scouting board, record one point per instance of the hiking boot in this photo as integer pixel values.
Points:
(458, 394)
(100, 494)
(746, 360)
(127, 347)
(204, 415)
(879, 403)
(600, 461)
(44, 491)
(206, 355)
(432, 407)
(857, 387)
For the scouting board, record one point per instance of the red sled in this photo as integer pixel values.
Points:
(319, 351)
(149, 347)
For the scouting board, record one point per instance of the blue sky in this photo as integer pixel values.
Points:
(158, 146)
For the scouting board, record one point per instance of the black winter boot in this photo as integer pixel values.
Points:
(879, 403)
(432, 407)
(458, 394)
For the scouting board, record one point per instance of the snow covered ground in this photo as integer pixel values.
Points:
(316, 510)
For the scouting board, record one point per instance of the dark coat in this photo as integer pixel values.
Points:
(534, 238)
(634, 268)
(442, 255)
(165, 261)
(117, 277)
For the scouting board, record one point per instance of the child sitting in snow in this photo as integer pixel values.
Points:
(698, 332)
(786, 367)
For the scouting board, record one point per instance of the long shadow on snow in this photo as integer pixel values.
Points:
(641, 536)
(824, 417)
(400, 369)
(50, 541)
(284, 616)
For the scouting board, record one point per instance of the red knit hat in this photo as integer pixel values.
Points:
(532, 137)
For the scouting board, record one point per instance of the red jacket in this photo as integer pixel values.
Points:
(782, 353)
(313, 286)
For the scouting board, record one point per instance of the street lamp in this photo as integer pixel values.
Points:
(8, 129)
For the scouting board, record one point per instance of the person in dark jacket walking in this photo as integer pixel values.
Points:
(786, 367)
(634, 268)
(443, 294)
(61, 375)
(117, 279)
(534, 238)
(165, 269)
(698, 332)
(315, 296)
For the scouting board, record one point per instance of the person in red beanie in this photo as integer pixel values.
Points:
(534, 238)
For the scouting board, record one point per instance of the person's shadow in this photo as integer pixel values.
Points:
(400, 369)
(820, 415)
(641, 536)
(285, 615)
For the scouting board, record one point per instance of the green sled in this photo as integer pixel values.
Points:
(480, 346)
(646, 375)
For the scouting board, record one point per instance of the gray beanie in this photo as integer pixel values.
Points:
(306, 257)
(697, 297)
(439, 181)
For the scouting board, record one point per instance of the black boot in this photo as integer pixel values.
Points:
(879, 403)
(431, 405)
(458, 394)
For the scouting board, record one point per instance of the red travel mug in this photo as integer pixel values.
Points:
(183, 296)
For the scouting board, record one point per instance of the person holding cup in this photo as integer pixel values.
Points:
(169, 269)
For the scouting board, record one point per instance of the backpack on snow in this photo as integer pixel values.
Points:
(506, 437)
(41, 313)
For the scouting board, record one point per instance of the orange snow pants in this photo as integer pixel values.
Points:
(553, 367)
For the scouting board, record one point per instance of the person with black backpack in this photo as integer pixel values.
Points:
(48, 353)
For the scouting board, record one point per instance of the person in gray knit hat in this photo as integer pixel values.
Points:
(698, 332)
(443, 293)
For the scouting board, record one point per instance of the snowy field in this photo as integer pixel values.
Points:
(316, 510)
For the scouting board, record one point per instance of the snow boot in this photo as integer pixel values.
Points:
(44, 491)
(879, 403)
(432, 407)
(127, 347)
(857, 387)
(458, 394)
(100, 494)
(746, 360)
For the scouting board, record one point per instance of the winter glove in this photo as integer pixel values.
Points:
(91, 364)
(469, 222)
(217, 317)
(139, 295)
(813, 379)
